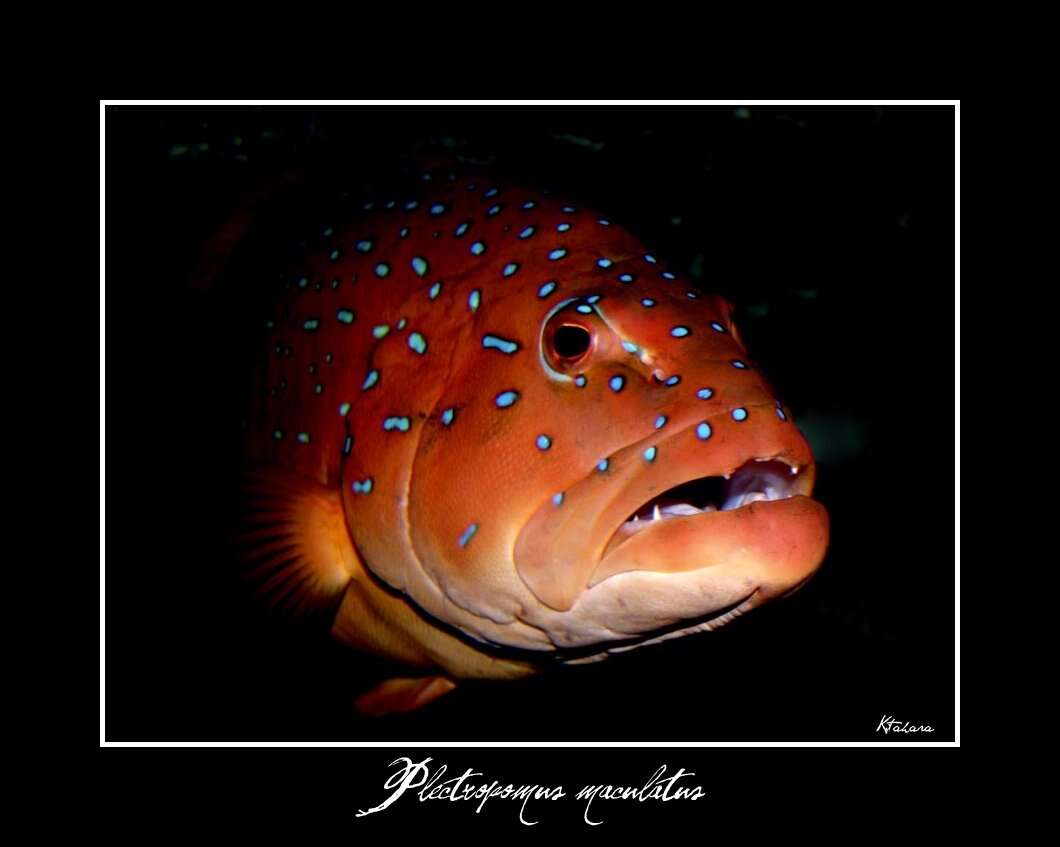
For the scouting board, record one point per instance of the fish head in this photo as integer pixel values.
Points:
(600, 463)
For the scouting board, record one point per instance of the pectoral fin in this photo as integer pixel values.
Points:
(402, 695)
(294, 542)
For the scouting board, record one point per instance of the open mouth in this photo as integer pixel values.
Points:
(754, 481)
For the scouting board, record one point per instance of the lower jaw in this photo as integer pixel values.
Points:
(781, 542)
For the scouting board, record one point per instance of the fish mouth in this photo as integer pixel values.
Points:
(706, 515)
(756, 480)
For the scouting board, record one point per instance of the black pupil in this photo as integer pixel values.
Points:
(571, 341)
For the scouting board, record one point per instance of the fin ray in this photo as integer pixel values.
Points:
(293, 543)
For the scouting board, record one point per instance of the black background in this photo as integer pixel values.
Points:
(830, 228)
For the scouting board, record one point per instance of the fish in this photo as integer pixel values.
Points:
(492, 431)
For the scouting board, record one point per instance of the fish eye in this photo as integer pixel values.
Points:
(571, 341)
(566, 344)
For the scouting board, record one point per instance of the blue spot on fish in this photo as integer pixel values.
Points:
(434, 290)
(703, 431)
(584, 309)
(510, 269)
(418, 343)
(603, 465)
(419, 265)
(603, 263)
(492, 210)
(363, 486)
(303, 438)
(647, 302)
(660, 421)
(580, 380)
(527, 232)
(546, 289)
(668, 275)
(617, 383)
(506, 399)
(780, 414)
(557, 254)
(473, 300)
(460, 230)
(557, 499)
(650, 454)
(311, 325)
(648, 257)
(739, 414)
(334, 255)
(380, 331)
(736, 363)
(630, 347)
(673, 380)
(529, 204)
(345, 316)
(627, 278)
(371, 379)
(365, 245)
(347, 445)
(502, 344)
(543, 442)
(382, 269)
(714, 325)
(679, 331)
(437, 209)
(401, 424)
(478, 248)
(467, 534)
(491, 192)
(705, 393)
(344, 409)
(563, 227)
(447, 416)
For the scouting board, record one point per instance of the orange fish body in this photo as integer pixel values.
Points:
(495, 431)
